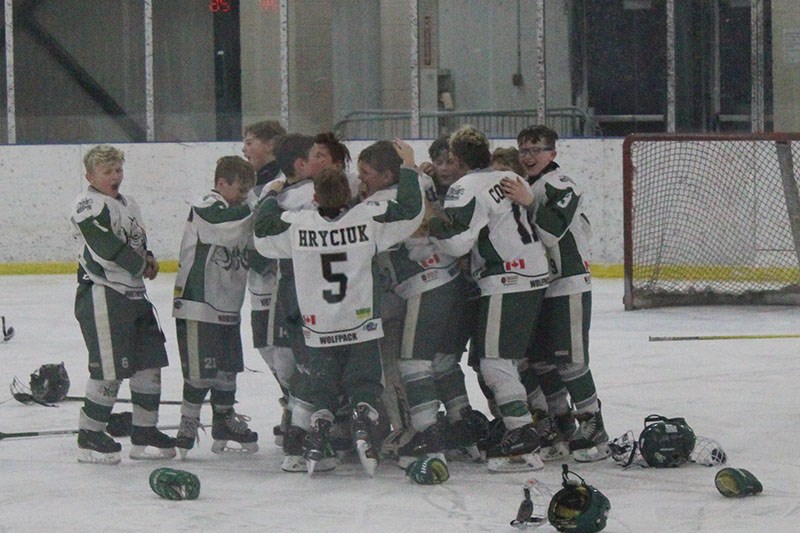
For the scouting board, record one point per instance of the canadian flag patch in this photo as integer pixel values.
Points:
(516, 264)
(430, 261)
(310, 319)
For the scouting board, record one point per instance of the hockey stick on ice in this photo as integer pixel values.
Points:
(50, 432)
(7, 333)
(727, 337)
(26, 398)
(22, 394)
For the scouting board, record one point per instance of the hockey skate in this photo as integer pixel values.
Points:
(341, 436)
(553, 445)
(364, 424)
(187, 435)
(461, 440)
(591, 440)
(397, 439)
(428, 443)
(286, 419)
(494, 434)
(228, 427)
(149, 443)
(293, 441)
(319, 454)
(517, 452)
(97, 447)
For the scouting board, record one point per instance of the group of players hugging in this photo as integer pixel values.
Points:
(365, 291)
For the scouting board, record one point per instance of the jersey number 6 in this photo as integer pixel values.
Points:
(327, 260)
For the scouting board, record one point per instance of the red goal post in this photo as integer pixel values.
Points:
(711, 219)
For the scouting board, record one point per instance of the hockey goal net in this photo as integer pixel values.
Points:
(711, 219)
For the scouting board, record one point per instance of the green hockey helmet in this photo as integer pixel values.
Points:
(50, 383)
(578, 507)
(666, 442)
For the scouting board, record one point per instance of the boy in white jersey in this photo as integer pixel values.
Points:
(209, 292)
(332, 250)
(434, 327)
(294, 190)
(560, 352)
(117, 320)
(509, 265)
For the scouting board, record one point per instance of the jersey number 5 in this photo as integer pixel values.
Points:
(330, 296)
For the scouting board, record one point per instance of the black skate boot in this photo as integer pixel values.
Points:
(97, 447)
(462, 436)
(319, 454)
(591, 440)
(364, 424)
(162, 446)
(550, 439)
(230, 426)
(428, 443)
(286, 420)
(494, 434)
(517, 452)
(293, 443)
(187, 434)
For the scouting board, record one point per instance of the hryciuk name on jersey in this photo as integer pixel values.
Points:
(336, 237)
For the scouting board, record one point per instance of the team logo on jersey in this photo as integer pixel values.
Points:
(515, 264)
(83, 205)
(135, 234)
(454, 192)
(430, 261)
(371, 326)
(509, 280)
(230, 259)
(310, 319)
(364, 313)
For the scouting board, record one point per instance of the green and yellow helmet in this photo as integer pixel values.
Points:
(578, 507)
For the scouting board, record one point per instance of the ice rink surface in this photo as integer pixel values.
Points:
(742, 393)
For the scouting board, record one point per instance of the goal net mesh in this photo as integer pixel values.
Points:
(711, 220)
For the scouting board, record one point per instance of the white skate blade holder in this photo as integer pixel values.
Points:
(98, 458)
(152, 453)
(224, 447)
(369, 464)
(526, 462)
(590, 455)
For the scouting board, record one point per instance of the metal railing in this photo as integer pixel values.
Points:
(499, 124)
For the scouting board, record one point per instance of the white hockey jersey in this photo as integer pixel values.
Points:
(332, 260)
(212, 270)
(506, 254)
(262, 278)
(415, 265)
(111, 241)
(562, 225)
